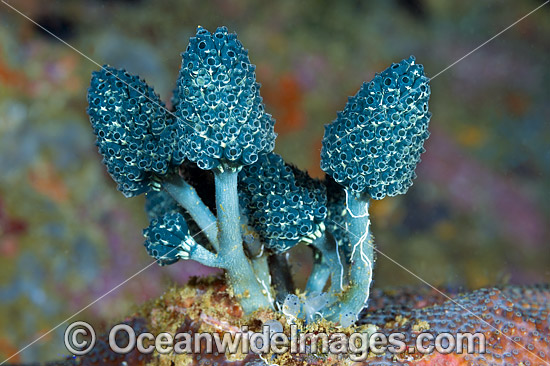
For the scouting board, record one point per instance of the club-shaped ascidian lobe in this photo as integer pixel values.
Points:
(283, 203)
(165, 236)
(134, 131)
(375, 143)
(221, 116)
(158, 203)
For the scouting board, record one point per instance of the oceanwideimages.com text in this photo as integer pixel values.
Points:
(80, 338)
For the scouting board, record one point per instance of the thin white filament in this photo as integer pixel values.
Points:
(269, 297)
(341, 268)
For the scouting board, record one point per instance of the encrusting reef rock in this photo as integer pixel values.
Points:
(513, 319)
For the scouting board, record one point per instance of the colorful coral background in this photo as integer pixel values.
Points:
(477, 215)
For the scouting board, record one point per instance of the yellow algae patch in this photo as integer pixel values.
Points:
(421, 326)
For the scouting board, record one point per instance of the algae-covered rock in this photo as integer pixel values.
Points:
(513, 320)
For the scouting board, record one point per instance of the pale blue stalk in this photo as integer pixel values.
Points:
(187, 197)
(251, 294)
(327, 264)
(319, 274)
(202, 255)
(353, 299)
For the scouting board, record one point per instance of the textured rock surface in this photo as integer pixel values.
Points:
(513, 319)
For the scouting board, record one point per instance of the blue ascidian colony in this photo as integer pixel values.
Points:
(264, 206)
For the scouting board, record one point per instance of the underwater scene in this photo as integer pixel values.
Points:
(255, 183)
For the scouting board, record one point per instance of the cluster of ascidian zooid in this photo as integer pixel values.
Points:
(249, 206)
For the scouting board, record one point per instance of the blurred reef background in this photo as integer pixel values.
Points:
(477, 214)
